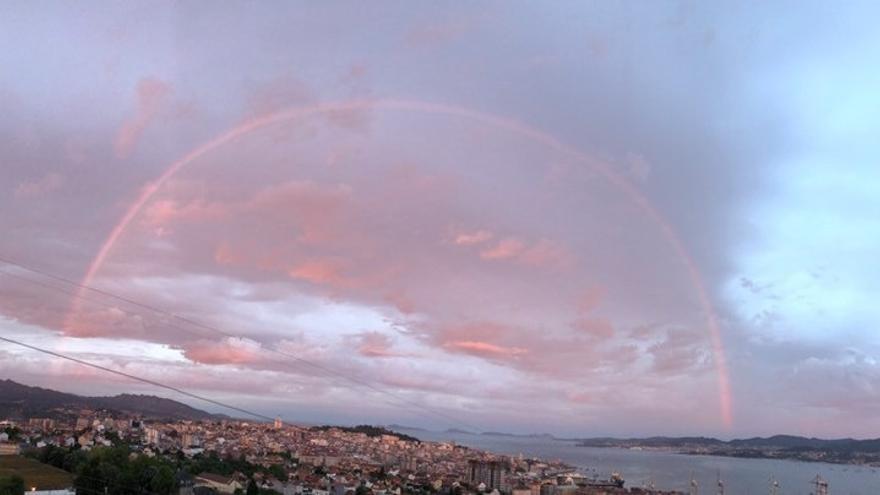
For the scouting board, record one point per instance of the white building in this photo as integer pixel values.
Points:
(9, 449)
(218, 482)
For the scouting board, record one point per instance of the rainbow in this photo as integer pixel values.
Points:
(513, 126)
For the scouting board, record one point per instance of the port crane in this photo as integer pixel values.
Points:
(774, 486)
(694, 486)
(821, 486)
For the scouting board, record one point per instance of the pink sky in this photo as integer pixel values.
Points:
(565, 226)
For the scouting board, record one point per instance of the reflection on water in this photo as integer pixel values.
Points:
(672, 471)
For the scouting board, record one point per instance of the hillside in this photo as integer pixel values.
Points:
(368, 430)
(21, 401)
(36, 474)
(841, 450)
(776, 442)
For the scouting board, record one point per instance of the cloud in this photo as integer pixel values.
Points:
(230, 350)
(680, 351)
(470, 238)
(753, 287)
(532, 350)
(281, 92)
(401, 302)
(325, 271)
(510, 247)
(46, 184)
(225, 255)
(311, 208)
(556, 265)
(596, 327)
(151, 95)
(314, 207)
(108, 320)
(542, 253)
(375, 345)
(546, 253)
(590, 299)
(484, 349)
(160, 214)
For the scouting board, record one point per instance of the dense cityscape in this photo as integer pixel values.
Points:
(58, 443)
(122, 454)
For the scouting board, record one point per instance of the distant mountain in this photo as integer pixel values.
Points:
(519, 435)
(789, 444)
(497, 434)
(657, 442)
(152, 406)
(459, 431)
(17, 400)
(368, 430)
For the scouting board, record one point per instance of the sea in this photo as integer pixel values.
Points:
(672, 471)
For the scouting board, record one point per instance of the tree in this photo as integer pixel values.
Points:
(252, 488)
(163, 482)
(13, 432)
(11, 485)
(278, 472)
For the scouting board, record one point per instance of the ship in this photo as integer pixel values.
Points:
(615, 481)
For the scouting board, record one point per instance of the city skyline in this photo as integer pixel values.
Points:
(579, 219)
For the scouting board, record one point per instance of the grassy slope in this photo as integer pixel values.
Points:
(35, 474)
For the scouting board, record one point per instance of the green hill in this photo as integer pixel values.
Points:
(36, 474)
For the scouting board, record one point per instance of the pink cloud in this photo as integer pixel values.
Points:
(401, 302)
(483, 330)
(681, 351)
(282, 92)
(470, 238)
(504, 249)
(101, 321)
(225, 254)
(165, 211)
(593, 344)
(254, 249)
(481, 339)
(306, 207)
(545, 253)
(151, 95)
(595, 327)
(539, 254)
(484, 349)
(314, 207)
(324, 271)
(39, 187)
(590, 299)
(422, 384)
(376, 345)
(227, 351)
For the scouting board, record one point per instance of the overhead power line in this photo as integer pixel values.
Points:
(395, 399)
(75, 294)
(135, 377)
